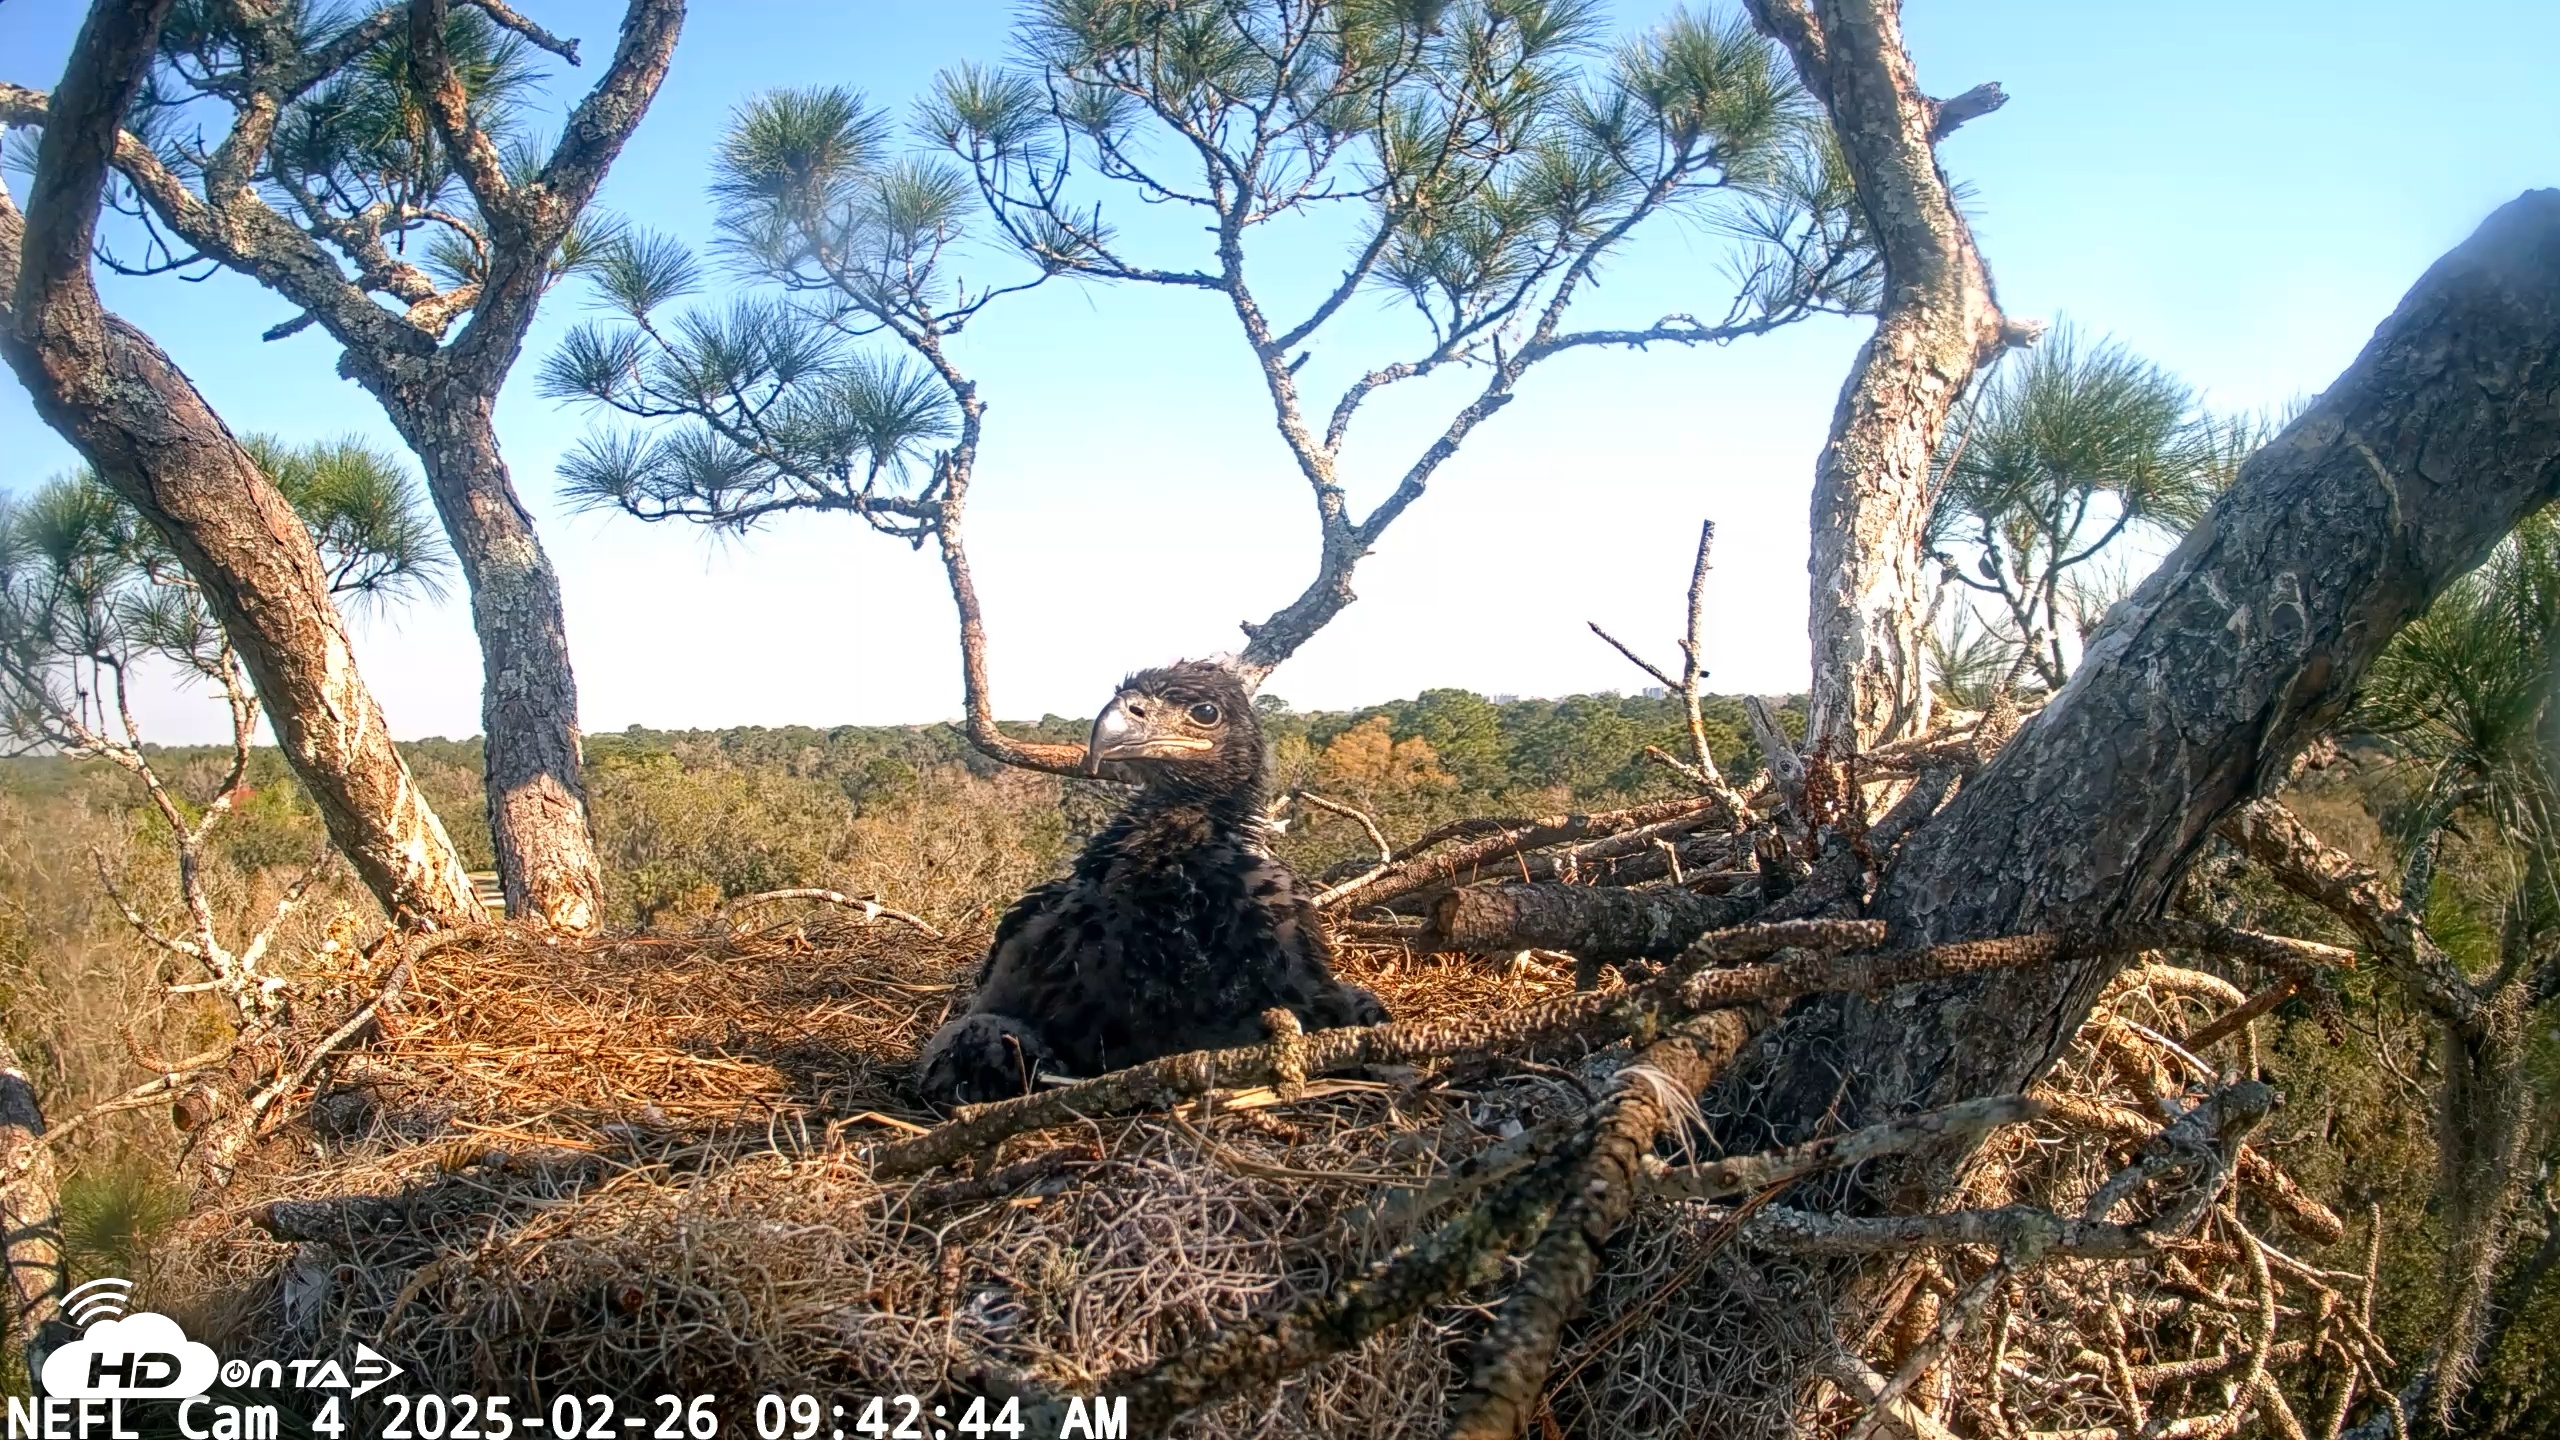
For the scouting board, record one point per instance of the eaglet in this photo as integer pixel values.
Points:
(1175, 930)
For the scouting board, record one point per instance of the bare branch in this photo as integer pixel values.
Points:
(2300, 861)
(133, 917)
(871, 909)
(1377, 837)
(1633, 658)
(1405, 876)
(507, 18)
(1946, 115)
(1741, 1175)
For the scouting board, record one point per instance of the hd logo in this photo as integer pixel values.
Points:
(87, 1388)
(142, 1356)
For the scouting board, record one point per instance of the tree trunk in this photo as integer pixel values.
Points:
(532, 762)
(2242, 647)
(1871, 493)
(978, 706)
(142, 425)
(30, 1214)
(439, 396)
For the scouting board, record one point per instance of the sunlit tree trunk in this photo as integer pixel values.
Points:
(142, 425)
(1939, 324)
(537, 797)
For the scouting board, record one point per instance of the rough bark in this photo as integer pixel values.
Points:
(440, 395)
(531, 763)
(141, 424)
(2242, 646)
(30, 1213)
(1939, 323)
(1596, 923)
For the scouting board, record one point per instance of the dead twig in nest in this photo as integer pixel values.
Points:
(1700, 768)
(1659, 1090)
(2231, 1022)
(1743, 1174)
(871, 909)
(1460, 1253)
(1404, 877)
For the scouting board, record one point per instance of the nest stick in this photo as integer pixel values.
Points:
(1377, 837)
(871, 909)
(1683, 989)
(1404, 877)
(1807, 1232)
(1159, 1083)
(1514, 1356)
(1743, 1174)
(2258, 1175)
(1465, 1251)
(2236, 1019)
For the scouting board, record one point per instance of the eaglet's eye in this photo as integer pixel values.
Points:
(1204, 713)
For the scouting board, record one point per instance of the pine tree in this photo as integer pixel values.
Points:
(387, 156)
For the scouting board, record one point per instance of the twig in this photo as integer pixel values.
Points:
(2257, 1174)
(1657, 1091)
(1400, 1209)
(1405, 876)
(392, 985)
(2237, 1019)
(133, 917)
(1860, 1381)
(1692, 663)
(871, 909)
(507, 18)
(1677, 766)
(1745, 1173)
(1377, 837)
(149, 1092)
(1805, 1232)
(1034, 1175)
(1954, 1319)
(1700, 769)
(256, 950)
(1641, 663)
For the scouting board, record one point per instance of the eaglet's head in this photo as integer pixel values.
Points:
(1187, 728)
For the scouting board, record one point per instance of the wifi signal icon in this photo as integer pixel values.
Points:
(101, 1299)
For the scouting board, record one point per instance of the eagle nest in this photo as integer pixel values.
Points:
(692, 1164)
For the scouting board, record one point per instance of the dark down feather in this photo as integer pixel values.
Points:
(1174, 931)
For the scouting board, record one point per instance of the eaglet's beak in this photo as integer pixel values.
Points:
(1130, 731)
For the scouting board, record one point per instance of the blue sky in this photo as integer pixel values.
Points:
(2239, 192)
